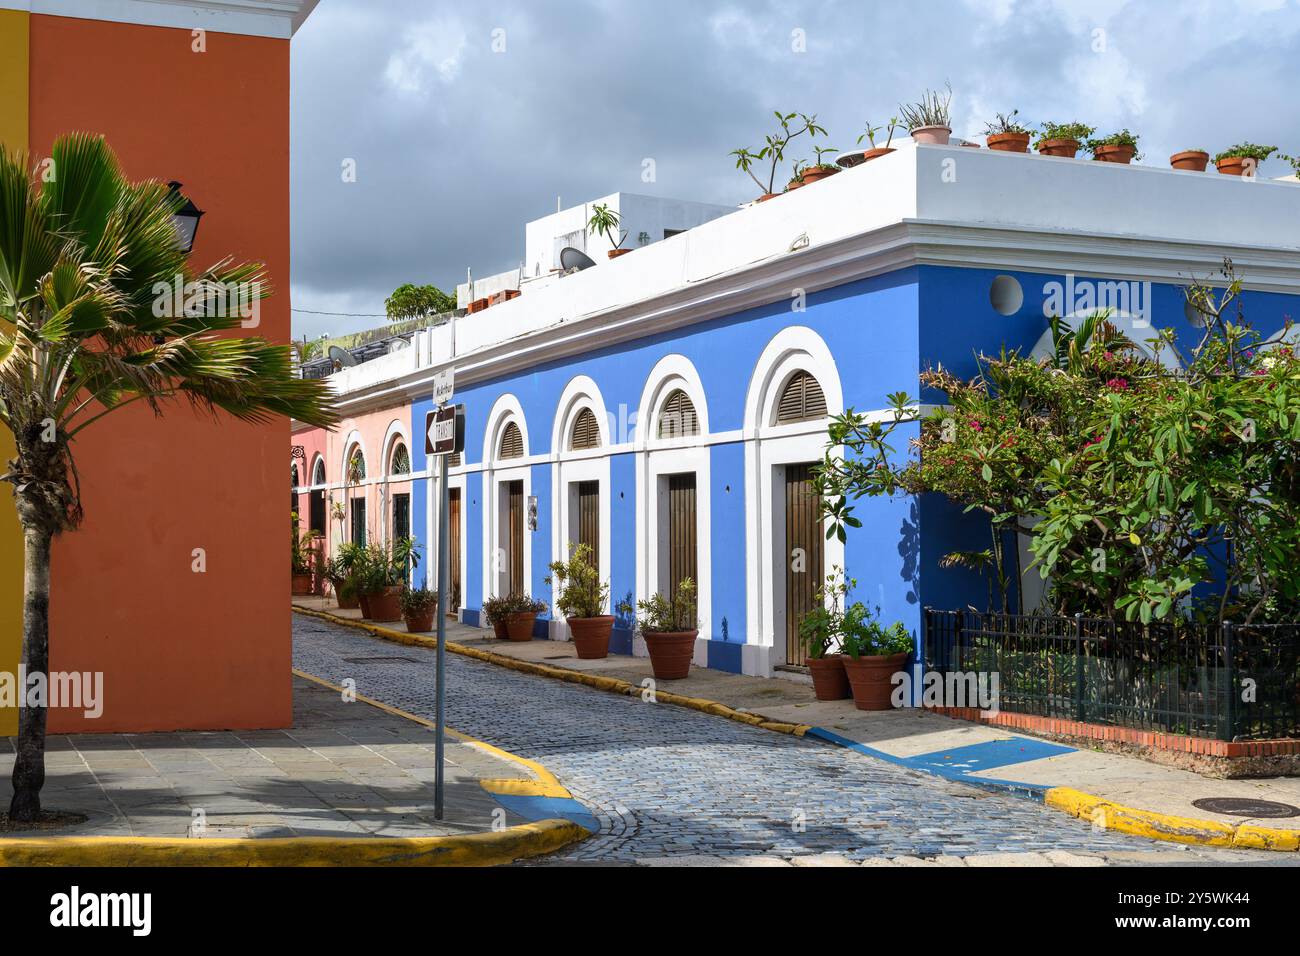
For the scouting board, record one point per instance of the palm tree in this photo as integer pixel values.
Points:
(85, 258)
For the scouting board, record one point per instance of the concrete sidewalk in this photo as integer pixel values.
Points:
(345, 770)
(1113, 790)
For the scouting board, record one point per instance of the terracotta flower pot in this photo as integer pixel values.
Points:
(499, 629)
(1059, 147)
(830, 682)
(869, 678)
(1114, 154)
(670, 653)
(1008, 142)
(1194, 160)
(386, 605)
(415, 623)
(1236, 165)
(591, 636)
(615, 253)
(363, 602)
(766, 196)
(793, 184)
(876, 152)
(302, 584)
(519, 627)
(817, 172)
(346, 603)
(932, 135)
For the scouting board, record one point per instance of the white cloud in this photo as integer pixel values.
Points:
(431, 49)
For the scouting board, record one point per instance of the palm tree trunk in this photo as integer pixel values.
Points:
(29, 766)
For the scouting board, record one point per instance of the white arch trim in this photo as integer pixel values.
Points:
(505, 409)
(396, 430)
(793, 349)
(670, 373)
(581, 392)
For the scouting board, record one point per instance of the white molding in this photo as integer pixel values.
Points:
(278, 19)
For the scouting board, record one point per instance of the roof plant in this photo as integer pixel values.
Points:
(769, 157)
(1079, 132)
(1151, 483)
(1122, 138)
(605, 222)
(872, 131)
(1247, 151)
(86, 331)
(1005, 123)
(931, 110)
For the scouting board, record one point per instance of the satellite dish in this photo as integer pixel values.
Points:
(575, 260)
(343, 357)
(396, 345)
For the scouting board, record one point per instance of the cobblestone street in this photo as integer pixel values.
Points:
(666, 782)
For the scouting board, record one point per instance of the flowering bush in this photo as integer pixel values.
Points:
(1137, 476)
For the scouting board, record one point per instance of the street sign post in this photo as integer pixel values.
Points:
(444, 435)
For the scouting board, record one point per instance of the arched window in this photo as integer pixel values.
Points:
(293, 478)
(802, 400)
(677, 419)
(512, 442)
(586, 431)
(401, 460)
(356, 467)
(318, 472)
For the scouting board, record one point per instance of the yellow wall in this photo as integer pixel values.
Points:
(13, 133)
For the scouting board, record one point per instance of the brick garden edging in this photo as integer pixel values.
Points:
(1223, 759)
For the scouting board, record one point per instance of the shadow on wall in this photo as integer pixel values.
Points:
(909, 549)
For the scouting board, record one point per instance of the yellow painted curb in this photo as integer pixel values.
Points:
(1161, 826)
(477, 849)
(613, 685)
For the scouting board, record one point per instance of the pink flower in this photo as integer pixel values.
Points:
(974, 423)
(1118, 384)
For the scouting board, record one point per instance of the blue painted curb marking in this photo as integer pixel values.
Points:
(960, 771)
(548, 808)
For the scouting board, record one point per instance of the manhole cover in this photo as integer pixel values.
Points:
(1241, 807)
(379, 660)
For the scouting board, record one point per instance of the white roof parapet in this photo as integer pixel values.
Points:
(935, 205)
(278, 19)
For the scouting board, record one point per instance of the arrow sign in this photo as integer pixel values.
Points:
(444, 430)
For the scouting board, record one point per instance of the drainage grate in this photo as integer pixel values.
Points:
(379, 660)
(1242, 807)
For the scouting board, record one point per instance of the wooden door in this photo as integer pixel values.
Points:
(681, 531)
(804, 553)
(453, 545)
(515, 538)
(589, 518)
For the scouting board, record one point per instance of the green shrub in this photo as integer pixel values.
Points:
(582, 593)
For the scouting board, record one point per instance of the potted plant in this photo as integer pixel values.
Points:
(929, 120)
(419, 605)
(819, 631)
(582, 601)
(495, 610)
(301, 557)
(521, 615)
(1292, 161)
(340, 571)
(819, 169)
(1118, 147)
(1194, 160)
(1062, 139)
(1006, 135)
(870, 136)
(792, 126)
(669, 627)
(796, 180)
(604, 221)
(874, 655)
(1242, 159)
(388, 568)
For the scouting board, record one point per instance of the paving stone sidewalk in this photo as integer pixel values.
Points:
(342, 770)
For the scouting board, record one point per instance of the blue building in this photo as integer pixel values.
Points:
(665, 406)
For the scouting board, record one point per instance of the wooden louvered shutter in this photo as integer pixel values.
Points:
(678, 418)
(512, 442)
(586, 431)
(802, 400)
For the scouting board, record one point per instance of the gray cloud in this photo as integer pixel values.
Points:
(456, 145)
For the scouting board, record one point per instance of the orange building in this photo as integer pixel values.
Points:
(196, 92)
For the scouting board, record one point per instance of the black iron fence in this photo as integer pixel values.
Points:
(1229, 682)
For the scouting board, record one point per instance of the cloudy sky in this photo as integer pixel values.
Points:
(464, 120)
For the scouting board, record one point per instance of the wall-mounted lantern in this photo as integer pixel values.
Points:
(186, 219)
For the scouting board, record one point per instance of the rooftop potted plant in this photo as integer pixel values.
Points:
(929, 121)
(820, 169)
(582, 601)
(605, 221)
(819, 632)
(1006, 135)
(870, 136)
(1194, 160)
(419, 605)
(874, 654)
(669, 627)
(796, 179)
(1118, 147)
(1292, 161)
(1063, 139)
(521, 613)
(1242, 159)
(792, 126)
